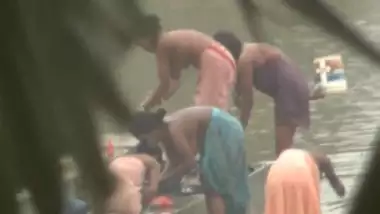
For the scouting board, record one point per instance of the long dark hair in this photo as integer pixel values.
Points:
(50, 84)
(144, 122)
(230, 41)
(151, 149)
(148, 27)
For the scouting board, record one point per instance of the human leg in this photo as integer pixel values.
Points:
(284, 137)
(291, 108)
(215, 203)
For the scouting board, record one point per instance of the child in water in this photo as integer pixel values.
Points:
(292, 185)
(178, 49)
(219, 139)
(270, 71)
(132, 171)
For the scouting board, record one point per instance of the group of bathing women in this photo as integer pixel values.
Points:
(207, 129)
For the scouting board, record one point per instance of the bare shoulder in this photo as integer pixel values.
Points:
(248, 49)
(188, 115)
(188, 33)
(140, 156)
(253, 50)
(166, 41)
(146, 159)
(248, 57)
(270, 50)
(191, 39)
(187, 122)
(266, 46)
(182, 34)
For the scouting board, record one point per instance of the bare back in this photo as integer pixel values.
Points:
(128, 169)
(184, 47)
(192, 122)
(259, 53)
(252, 60)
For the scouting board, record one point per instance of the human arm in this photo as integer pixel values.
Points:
(316, 93)
(152, 170)
(163, 66)
(182, 148)
(244, 92)
(327, 168)
(174, 86)
(318, 96)
(153, 176)
(175, 76)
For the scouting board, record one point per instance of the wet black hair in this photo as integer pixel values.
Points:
(144, 122)
(147, 27)
(151, 149)
(230, 41)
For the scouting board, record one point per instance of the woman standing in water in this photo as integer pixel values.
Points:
(270, 71)
(292, 185)
(131, 172)
(219, 139)
(178, 49)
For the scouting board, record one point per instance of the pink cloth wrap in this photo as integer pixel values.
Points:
(217, 75)
(292, 185)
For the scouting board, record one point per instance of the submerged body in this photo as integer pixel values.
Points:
(271, 72)
(292, 185)
(219, 139)
(178, 49)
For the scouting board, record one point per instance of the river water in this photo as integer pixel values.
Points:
(342, 125)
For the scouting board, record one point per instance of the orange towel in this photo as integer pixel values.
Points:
(216, 78)
(292, 185)
(130, 174)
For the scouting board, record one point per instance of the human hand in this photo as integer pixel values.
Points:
(149, 193)
(340, 190)
(149, 102)
(318, 92)
(169, 185)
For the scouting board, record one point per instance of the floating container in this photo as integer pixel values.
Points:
(330, 74)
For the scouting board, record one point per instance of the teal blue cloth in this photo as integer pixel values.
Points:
(223, 162)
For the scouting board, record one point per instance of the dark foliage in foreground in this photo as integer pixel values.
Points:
(54, 74)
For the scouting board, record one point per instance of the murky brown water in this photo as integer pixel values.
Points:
(342, 125)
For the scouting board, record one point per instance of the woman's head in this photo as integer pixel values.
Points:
(148, 125)
(230, 41)
(151, 149)
(147, 32)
